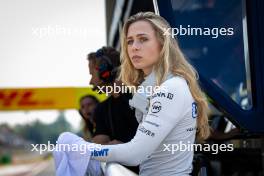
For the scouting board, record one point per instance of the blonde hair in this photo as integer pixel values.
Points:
(171, 60)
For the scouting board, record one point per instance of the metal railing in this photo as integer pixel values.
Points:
(115, 169)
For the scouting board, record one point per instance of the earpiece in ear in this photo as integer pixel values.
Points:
(105, 74)
(105, 68)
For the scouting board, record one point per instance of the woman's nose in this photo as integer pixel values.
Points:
(135, 45)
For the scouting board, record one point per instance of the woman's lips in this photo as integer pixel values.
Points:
(136, 58)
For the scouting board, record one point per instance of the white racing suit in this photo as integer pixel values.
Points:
(167, 119)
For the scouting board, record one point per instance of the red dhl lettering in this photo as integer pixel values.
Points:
(19, 98)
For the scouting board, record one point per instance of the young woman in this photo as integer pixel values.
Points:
(172, 115)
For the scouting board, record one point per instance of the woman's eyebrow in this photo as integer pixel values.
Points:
(138, 35)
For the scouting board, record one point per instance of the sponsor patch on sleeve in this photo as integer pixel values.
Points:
(194, 110)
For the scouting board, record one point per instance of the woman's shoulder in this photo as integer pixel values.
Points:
(178, 89)
(175, 83)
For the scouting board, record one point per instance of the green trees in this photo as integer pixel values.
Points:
(40, 133)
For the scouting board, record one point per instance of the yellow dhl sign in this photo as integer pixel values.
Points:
(44, 98)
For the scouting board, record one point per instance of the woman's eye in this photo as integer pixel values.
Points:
(130, 42)
(143, 39)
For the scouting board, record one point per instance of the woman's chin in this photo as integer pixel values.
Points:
(138, 66)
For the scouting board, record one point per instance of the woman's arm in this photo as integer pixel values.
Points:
(166, 109)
